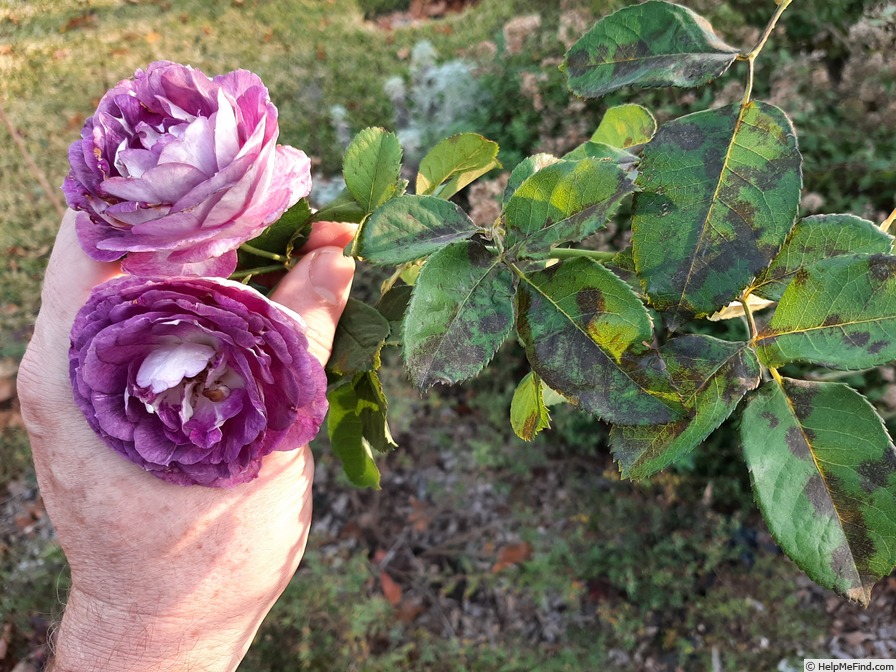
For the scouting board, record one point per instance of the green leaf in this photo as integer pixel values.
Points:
(586, 334)
(410, 272)
(840, 313)
(719, 192)
(346, 437)
(460, 313)
(392, 305)
(373, 407)
(454, 163)
(360, 335)
(647, 45)
(814, 239)
(603, 152)
(824, 475)
(625, 126)
(528, 412)
(712, 376)
(623, 265)
(286, 232)
(372, 167)
(562, 202)
(343, 208)
(526, 169)
(411, 227)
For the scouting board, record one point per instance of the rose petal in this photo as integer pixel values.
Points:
(167, 366)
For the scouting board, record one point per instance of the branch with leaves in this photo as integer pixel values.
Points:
(715, 199)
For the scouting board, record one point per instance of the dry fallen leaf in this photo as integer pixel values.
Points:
(419, 517)
(408, 611)
(5, 637)
(511, 555)
(391, 590)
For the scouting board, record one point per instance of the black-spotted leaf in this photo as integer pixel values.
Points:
(526, 169)
(840, 313)
(454, 163)
(814, 239)
(824, 474)
(718, 194)
(372, 409)
(623, 265)
(410, 227)
(360, 335)
(345, 429)
(625, 126)
(372, 167)
(587, 335)
(528, 412)
(392, 305)
(562, 202)
(712, 376)
(460, 312)
(647, 45)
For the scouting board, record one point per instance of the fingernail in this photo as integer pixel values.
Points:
(330, 274)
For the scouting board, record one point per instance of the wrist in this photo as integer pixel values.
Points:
(96, 636)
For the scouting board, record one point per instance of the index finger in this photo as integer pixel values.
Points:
(69, 279)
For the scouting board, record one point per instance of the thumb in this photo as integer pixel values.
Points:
(317, 289)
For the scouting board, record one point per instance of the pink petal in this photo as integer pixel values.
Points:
(152, 444)
(196, 148)
(218, 183)
(90, 235)
(128, 189)
(147, 263)
(137, 161)
(170, 181)
(226, 137)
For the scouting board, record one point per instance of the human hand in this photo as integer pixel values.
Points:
(165, 576)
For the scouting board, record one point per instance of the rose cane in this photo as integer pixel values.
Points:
(176, 170)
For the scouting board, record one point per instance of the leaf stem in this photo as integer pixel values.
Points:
(888, 222)
(782, 5)
(251, 249)
(245, 273)
(748, 91)
(745, 301)
(776, 376)
(567, 252)
(754, 52)
(562, 253)
(837, 375)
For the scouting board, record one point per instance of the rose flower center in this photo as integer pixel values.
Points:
(185, 381)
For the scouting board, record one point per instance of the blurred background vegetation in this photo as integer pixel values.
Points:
(481, 552)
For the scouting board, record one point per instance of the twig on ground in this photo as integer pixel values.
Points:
(36, 172)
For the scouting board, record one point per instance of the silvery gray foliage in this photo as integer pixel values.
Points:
(438, 100)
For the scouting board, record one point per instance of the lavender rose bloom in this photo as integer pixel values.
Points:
(176, 170)
(194, 379)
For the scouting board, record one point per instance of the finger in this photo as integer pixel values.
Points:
(317, 289)
(329, 234)
(69, 279)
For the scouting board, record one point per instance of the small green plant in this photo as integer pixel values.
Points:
(714, 208)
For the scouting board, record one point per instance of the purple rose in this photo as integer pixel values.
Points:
(176, 170)
(194, 379)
